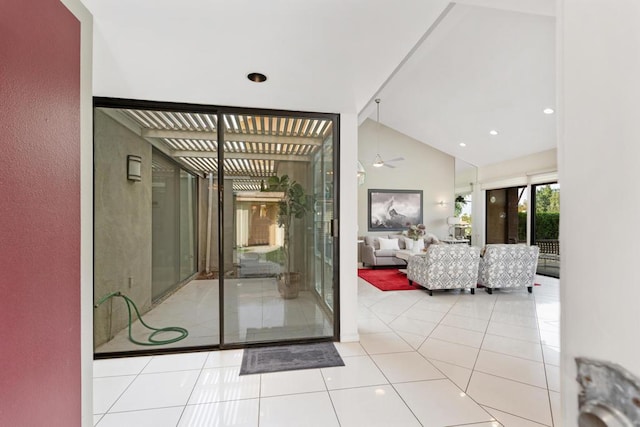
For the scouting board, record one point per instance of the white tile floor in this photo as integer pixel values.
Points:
(448, 360)
(254, 311)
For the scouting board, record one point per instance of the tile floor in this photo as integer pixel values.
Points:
(254, 311)
(448, 360)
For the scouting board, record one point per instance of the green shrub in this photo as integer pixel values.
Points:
(276, 256)
(547, 226)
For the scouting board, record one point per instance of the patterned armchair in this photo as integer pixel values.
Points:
(508, 266)
(445, 267)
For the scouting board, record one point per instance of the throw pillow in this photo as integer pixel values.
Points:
(408, 243)
(388, 243)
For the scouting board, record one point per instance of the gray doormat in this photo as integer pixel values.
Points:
(262, 360)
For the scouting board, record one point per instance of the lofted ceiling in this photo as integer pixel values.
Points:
(446, 72)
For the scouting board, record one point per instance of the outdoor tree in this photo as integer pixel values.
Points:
(547, 199)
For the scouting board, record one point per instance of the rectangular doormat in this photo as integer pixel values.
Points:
(262, 360)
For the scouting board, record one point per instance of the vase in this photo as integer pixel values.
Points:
(289, 285)
(416, 248)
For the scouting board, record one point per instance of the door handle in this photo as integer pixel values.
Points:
(335, 230)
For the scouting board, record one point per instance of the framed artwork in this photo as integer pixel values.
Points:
(392, 210)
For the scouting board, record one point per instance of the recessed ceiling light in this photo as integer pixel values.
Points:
(548, 111)
(493, 132)
(257, 77)
(462, 144)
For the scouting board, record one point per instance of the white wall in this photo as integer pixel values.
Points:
(424, 168)
(348, 228)
(465, 179)
(86, 205)
(519, 169)
(599, 149)
(532, 169)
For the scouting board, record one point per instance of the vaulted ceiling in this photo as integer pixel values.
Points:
(447, 73)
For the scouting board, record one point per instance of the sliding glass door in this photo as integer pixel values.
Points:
(545, 227)
(506, 215)
(277, 250)
(221, 232)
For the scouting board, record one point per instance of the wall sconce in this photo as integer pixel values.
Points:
(442, 203)
(362, 173)
(134, 168)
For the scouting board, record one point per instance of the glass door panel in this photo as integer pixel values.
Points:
(274, 225)
(323, 243)
(165, 231)
(507, 215)
(188, 218)
(147, 232)
(546, 227)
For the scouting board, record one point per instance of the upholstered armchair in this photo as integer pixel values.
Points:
(445, 267)
(508, 266)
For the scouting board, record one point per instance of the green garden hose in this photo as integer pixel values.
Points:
(151, 340)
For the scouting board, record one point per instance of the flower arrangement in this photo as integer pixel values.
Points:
(416, 231)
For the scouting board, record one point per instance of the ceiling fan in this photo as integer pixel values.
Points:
(378, 162)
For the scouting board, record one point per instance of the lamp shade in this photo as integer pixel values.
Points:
(454, 220)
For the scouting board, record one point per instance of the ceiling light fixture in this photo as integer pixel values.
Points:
(257, 77)
(462, 144)
(548, 111)
(378, 163)
(493, 132)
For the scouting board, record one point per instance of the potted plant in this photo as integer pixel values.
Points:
(416, 232)
(293, 205)
(459, 204)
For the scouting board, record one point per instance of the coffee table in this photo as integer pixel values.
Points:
(405, 255)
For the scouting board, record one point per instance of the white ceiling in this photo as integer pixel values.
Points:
(487, 63)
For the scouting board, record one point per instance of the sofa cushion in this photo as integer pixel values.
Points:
(385, 252)
(400, 238)
(372, 241)
(388, 243)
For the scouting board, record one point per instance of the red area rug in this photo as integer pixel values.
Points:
(388, 279)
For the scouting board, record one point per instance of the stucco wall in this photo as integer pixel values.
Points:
(40, 219)
(122, 236)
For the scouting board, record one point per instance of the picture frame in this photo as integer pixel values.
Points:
(392, 210)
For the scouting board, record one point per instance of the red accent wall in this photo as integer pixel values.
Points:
(39, 215)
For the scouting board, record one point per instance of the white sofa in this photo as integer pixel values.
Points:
(373, 256)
